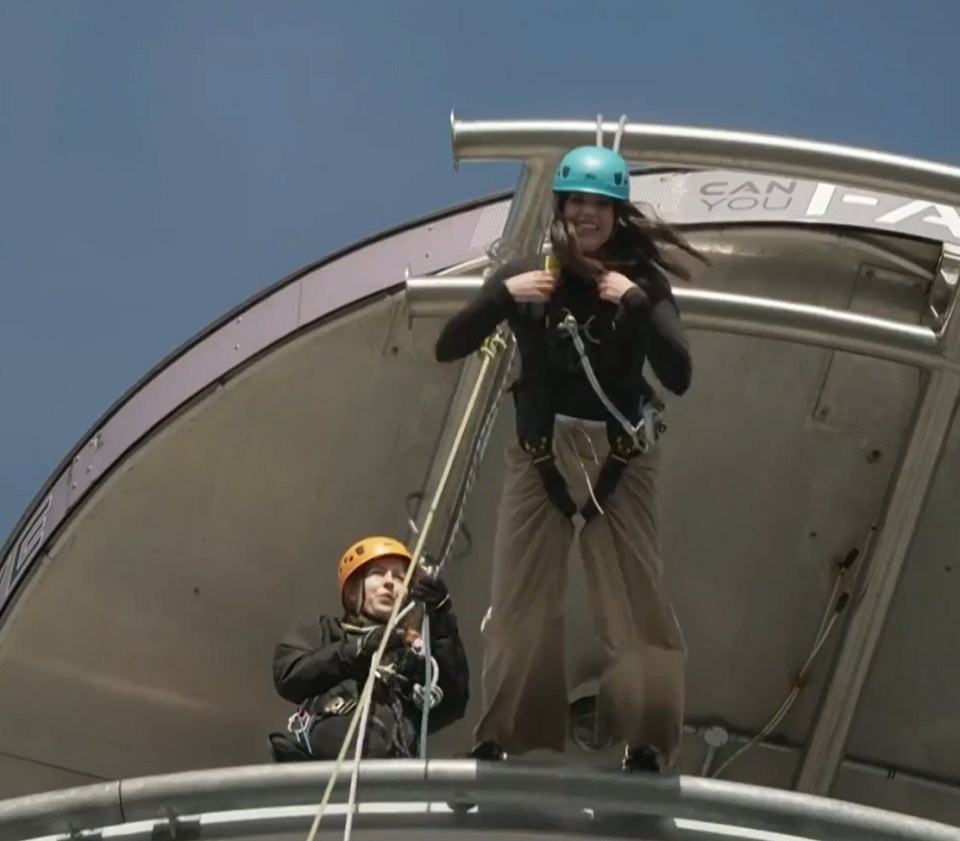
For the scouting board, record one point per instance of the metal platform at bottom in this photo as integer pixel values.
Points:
(411, 798)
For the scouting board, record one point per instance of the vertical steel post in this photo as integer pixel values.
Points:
(903, 507)
(523, 234)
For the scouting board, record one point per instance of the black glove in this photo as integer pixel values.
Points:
(412, 666)
(370, 641)
(589, 510)
(432, 592)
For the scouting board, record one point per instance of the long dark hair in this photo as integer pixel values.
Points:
(635, 246)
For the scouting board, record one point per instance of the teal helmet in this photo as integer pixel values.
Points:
(593, 169)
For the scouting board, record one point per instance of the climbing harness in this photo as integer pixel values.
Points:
(361, 714)
(650, 423)
(638, 438)
(300, 723)
(627, 440)
(597, 170)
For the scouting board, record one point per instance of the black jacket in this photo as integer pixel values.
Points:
(319, 662)
(643, 326)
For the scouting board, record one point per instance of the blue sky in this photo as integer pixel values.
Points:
(162, 161)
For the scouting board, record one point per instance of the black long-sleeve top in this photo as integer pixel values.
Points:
(320, 658)
(646, 326)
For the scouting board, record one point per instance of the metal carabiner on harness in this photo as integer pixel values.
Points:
(298, 726)
(430, 693)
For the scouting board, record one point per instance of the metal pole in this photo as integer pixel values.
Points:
(903, 507)
(747, 315)
(523, 233)
(694, 148)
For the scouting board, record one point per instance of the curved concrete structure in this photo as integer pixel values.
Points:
(145, 588)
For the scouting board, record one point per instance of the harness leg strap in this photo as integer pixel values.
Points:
(540, 451)
(555, 485)
(622, 450)
(607, 481)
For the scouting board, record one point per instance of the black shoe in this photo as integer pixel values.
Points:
(485, 752)
(489, 752)
(283, 749)
(641, 759)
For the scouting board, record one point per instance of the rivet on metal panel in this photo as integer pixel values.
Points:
(236, 347)
(239, 319)
(716, 736)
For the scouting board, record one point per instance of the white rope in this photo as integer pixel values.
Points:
(583, 467)
(362, 711)
(834, 606)
(483, 439)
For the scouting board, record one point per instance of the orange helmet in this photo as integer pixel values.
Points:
(366, 551)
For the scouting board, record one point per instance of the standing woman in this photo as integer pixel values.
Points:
(606, 298)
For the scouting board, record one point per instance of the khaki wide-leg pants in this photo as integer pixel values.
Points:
(641, 694)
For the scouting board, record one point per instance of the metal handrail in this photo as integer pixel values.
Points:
(750, 315)
(498, 787)
(700, 148)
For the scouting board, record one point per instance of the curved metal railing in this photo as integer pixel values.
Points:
(413, 794)
(703, 148)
